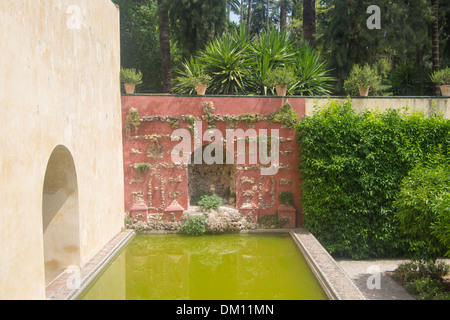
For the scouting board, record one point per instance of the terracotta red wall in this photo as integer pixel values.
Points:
(166, 184)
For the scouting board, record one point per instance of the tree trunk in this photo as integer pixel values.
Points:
(164, 44)
(309, 20)
(295, 13)
(242, 11)
(435, 41)
(283, 15)
(249, 18)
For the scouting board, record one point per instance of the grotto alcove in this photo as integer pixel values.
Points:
(218, 178)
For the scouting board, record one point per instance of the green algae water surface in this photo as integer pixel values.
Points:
(208, 267)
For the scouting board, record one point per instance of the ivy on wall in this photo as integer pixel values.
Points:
(286, 115)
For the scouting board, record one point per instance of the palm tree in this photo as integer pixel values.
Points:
(242, 12)
(435, 39)
(249, 18)
(164, 40)
(309, 20)
(233, 5)
(283, 14)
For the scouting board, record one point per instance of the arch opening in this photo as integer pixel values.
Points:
(211, 178)
(60, 214)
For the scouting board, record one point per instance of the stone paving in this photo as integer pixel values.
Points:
(364, 273)
(372, 278)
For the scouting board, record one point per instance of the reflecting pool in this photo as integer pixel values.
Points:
(208, 267)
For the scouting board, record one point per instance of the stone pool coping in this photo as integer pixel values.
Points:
(334, 281)
(59, 289)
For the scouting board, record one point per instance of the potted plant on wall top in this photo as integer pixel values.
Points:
(362, 79)
(442, 78)
(200, 82)
(130, 78)
(281, 79)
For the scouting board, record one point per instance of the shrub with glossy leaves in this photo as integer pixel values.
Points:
(210, 202)
(194, 225)
(424, 209)
(352, 167)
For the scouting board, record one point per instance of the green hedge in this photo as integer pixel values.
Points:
(352, 166)
(423, 208)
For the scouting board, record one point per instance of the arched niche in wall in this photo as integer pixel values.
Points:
(218, 178)
(60, 214)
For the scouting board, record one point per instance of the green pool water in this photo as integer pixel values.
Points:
(209, 267)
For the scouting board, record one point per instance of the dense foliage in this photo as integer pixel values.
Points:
(194, 225)
(352, 167)
(362, 77)
(424, 209)
(240, 64)
(442, 77)
(132, 76)
(345, 40)
(338, 37)
(210, 202)
(425, 280)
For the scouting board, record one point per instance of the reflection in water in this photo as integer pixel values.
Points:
(210, 267)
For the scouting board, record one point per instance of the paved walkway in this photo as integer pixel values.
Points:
(372, 278)
(364, 275)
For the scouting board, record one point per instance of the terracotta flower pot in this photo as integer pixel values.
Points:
(445, 90)
(201, 89)
(281, 90)
(129, 88)
(364, 92)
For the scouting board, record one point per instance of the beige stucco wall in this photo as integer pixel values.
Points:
(359, 104)
(59, 85)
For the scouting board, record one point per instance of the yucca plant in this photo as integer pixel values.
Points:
(225, 61)
(270, 50)
(189, 70)
(312, 74)
(405, 80)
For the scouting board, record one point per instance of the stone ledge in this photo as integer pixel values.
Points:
(58, 289)
(333, 279)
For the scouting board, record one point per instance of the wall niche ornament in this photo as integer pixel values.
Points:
(155, 150)
(271, 192)
(153, 190)
(247, 180)
(208, 107)
(132, 121)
